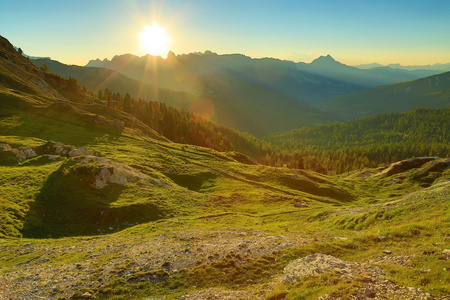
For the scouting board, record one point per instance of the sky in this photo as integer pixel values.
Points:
(353, 32)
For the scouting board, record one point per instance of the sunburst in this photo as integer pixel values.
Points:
(155, 40)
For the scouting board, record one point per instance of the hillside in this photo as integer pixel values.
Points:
(96, 203)
(433, 92)
(96, 79)
(368, 142)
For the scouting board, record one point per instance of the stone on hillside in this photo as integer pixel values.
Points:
(300, 205)
(23, 153)
(387, 251)
(79, 152)
(314, 264)
(446, 253)
(5, 147)
(57, 148)
(110, 172)
(56, 288)
(86, 295)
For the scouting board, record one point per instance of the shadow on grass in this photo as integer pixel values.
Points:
(68, 205)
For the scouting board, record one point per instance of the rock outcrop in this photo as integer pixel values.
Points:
(109, 172)
(57, 148)
(20, 153)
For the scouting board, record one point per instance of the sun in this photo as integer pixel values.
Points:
(155, 40)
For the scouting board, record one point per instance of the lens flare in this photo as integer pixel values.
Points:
(204, 108)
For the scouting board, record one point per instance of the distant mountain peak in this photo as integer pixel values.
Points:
(326, 62)
(324, 59)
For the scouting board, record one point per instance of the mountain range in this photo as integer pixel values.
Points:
(437, 68)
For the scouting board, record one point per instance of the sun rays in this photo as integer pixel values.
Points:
(155, 40)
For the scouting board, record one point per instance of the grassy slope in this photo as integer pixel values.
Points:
(195, 174)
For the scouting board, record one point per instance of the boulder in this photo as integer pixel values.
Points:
(21, 153)
(109, 172)
(79, 152)
(5, 147)
(57, 148)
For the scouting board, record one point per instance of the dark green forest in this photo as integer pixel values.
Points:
(369, 142)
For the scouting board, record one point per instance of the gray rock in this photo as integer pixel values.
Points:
(21, 153)
(27, 152)
(79, 152)
(300, 205)
(5, 147)
(446, 253)
(87, 295)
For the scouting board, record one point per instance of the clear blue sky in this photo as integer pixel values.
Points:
(353, 32)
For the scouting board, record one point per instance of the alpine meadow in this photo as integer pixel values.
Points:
(269, 169)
